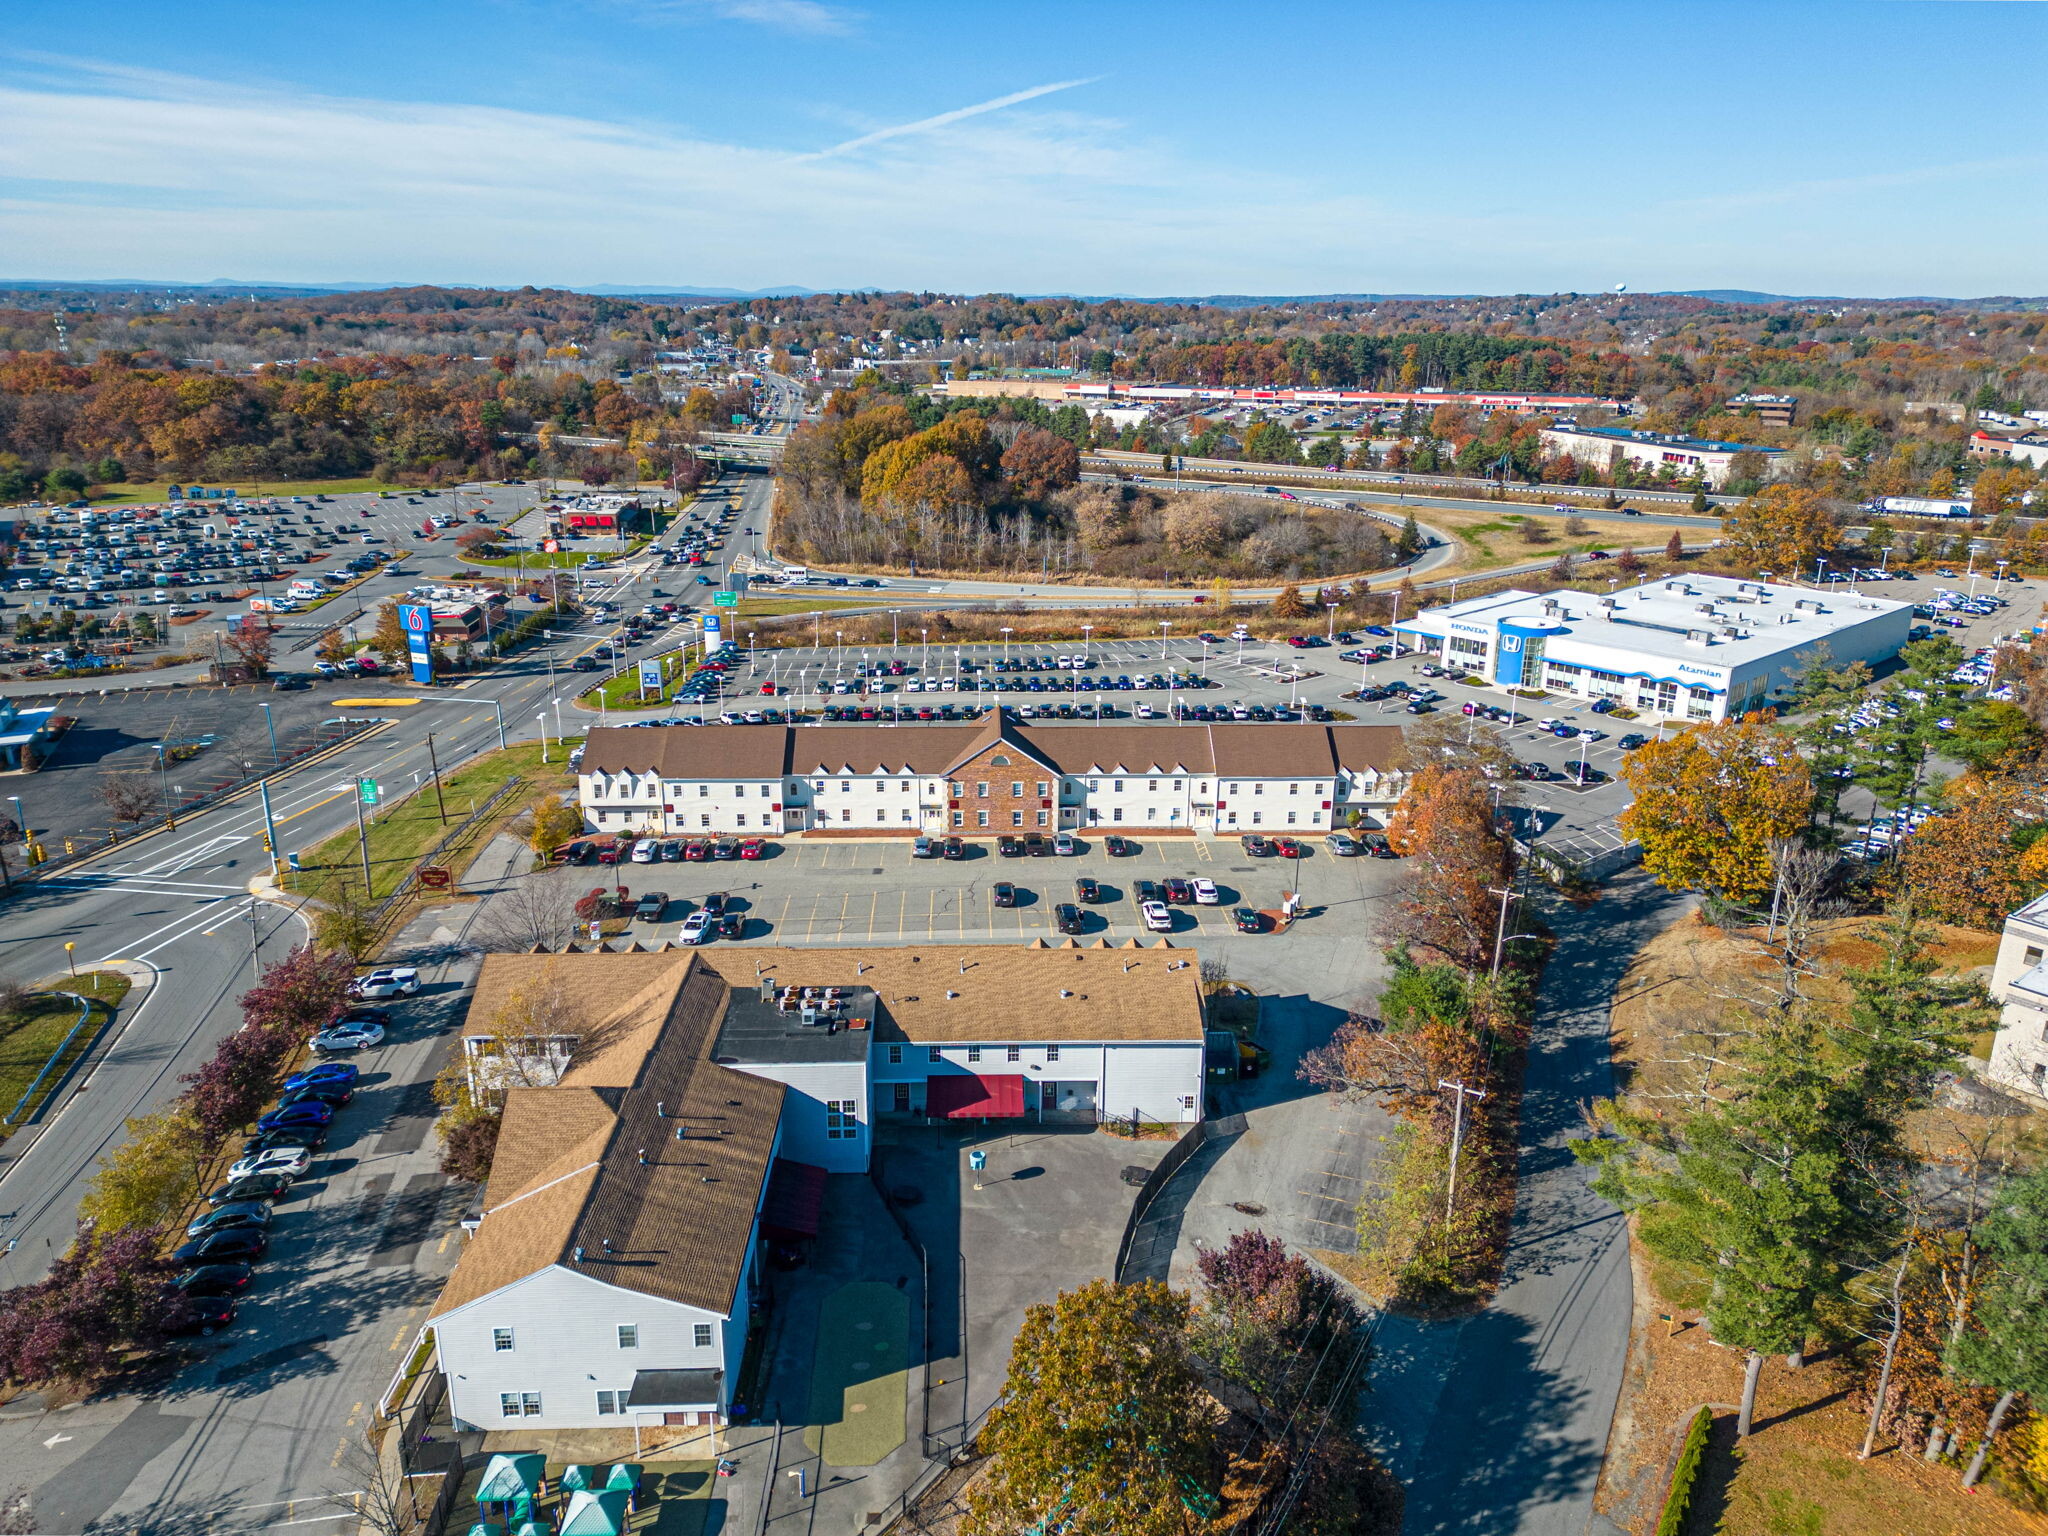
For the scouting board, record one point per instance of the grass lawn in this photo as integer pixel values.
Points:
(27, 1039)
(160, 490)
(623, 691)
(399, 835)
(860, 1375)
(534, 560)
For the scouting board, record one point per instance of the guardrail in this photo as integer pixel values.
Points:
(1197, 1136)
(84, 1017)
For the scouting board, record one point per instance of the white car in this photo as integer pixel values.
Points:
(289, 1161)
(647, 850)
(1157, 918)
(697, 927)
(1206, 894)
(347, 1037)
(391, 981)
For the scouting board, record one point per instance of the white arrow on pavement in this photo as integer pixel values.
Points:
(54, 1441)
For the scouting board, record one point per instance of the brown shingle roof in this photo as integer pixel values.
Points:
(1006, 991)
(708, 752)
(591, 1165)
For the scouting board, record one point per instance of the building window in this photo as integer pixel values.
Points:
(1044, 789)
(1016, 818)
(981, 790)
(703, 791)
(501, 1340)
(1117, 814)
(2030, 956)
(1045, 818)
(959, 818)
(1187, 1101)
(508, 1404)
(1176, 786)
(1294, 789)
(1117, 785)
(818, 785)
(1015, 1053)
(1152, 785)
(973, 1053)
(529, 1404)
(955, 788)
(1257, 817)
(1290, 818)
(607, 1403)
(895, 1055)
(1258, 789)
(700, 1335)
(932, 1053)
(981, 818)
(703, 821)
(1016, 789)
(629, 1335)
(1052, 1053)
(1095, 783)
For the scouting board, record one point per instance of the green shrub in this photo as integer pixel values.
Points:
(1679, 1499)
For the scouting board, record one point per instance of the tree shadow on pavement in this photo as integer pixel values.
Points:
(1494, 1452)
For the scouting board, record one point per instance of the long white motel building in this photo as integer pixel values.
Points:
(984, 779)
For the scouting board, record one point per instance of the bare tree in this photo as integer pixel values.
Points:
(15, 995)
(528, 910)
(128, 797)
(250, 642)
(386, 1502)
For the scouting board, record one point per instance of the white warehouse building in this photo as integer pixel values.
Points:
(697, 1113)
(1687, 648)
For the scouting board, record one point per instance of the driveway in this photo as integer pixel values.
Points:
(1500, 1423)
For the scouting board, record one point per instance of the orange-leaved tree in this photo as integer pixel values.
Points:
(1710, 804)
(1783, 528)
(1458, 862)
(1966, 865)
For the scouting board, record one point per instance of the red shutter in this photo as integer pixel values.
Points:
(1326, 805)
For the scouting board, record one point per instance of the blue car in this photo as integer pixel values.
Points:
(296, 1116)
(325, 1072)
(1377, 629)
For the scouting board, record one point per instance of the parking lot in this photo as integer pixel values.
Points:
(873, 892)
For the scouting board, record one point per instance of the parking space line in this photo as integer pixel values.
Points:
(874, 898)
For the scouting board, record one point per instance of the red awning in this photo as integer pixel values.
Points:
(975, 1096)
(796, 1193)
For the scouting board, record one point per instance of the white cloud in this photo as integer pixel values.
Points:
(111, 172)
(801, 16)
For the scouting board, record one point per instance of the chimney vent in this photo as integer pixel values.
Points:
(578, 1253)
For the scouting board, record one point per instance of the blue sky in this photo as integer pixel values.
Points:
(1867, 147)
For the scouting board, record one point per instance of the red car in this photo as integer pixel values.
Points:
(696, 852)
(768, 690)
(1299, 642)
(751, 847)
(1287, 847)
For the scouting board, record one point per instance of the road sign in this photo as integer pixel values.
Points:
(650, 674)
(369, 790)
(725, 599)
(434, 877)
(739, 421)
(418, 620)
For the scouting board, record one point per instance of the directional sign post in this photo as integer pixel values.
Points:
(725, 599)
(367, 791)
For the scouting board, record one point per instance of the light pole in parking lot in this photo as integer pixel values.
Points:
(1006, 646)
(1164, 626)
(926, 636)
(894, 615)
(1332, 634)
(1087, 636)
(542, 717)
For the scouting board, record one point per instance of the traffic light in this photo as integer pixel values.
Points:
(266, 842)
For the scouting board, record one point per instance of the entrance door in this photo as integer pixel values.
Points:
(1068, 1098)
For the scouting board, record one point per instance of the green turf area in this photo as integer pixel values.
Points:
(160, 490)
(400, 834)
(772, 607)
(29, 1038)
(676, 1499)
(534, 560)
(860, 1376)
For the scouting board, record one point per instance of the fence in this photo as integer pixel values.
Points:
(440, 849)
(1197, 1136)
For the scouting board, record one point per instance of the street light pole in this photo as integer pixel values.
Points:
(1164, 626)
(1500, 932)
(542, 717)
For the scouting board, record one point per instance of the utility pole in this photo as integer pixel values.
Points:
(434, 762)
(1457, 1137)
(1500, 932)
(269, 826)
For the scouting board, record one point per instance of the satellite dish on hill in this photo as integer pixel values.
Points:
(1621, 287)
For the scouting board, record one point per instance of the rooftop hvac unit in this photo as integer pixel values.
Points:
(810, 1015)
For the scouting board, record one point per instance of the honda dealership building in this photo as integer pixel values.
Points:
(1686, 648)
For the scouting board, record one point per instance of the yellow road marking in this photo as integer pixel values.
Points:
(379, 703)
